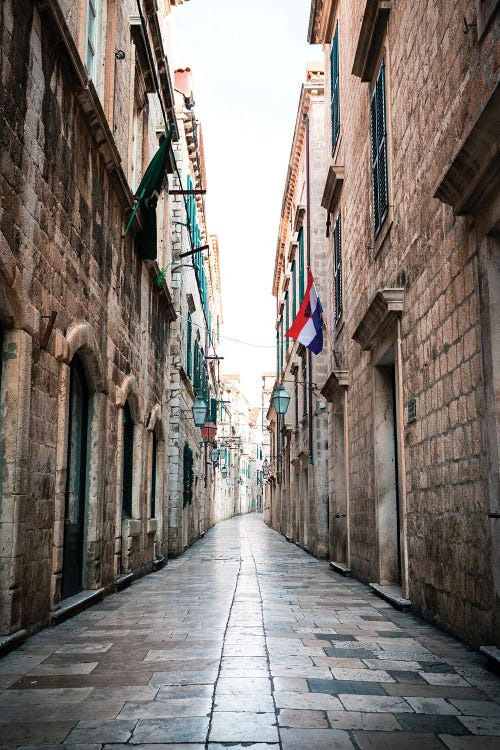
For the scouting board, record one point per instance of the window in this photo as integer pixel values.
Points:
(287, 321)
(197, 369)
(134, 167)
(304, 390)
(302, 266)
(189, 346)
(91, 37)
(187, 476)
(128, 461)
(379, 151)
(154, 461)
(278, 363)
(296, 399)
(334, 84)
(337, 268)
(294, 290)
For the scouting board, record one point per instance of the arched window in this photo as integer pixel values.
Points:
(128, 461)
(77, 469)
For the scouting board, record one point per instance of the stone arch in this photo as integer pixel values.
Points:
(81, 339)
(128, 391)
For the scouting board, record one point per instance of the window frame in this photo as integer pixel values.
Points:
(379, 147)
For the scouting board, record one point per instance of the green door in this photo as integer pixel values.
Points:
(74, 516)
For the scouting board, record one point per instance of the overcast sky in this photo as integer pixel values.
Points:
(248, 59)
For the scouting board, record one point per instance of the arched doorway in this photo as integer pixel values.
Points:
(77, 471)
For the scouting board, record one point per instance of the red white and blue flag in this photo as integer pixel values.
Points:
(307, 328)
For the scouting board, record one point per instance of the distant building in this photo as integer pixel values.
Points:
(298, 485)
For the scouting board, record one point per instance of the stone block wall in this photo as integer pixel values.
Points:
(438, 80)
(63, 249)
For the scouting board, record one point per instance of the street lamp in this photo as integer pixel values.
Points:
(199, 410)
(281, 399)
(214, 455)
(265, 468)
(223, 472)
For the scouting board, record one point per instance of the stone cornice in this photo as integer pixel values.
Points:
(333, 188)
(321, 21)
(309, 89)
(385, 308)
(473, 176)
(337, 380)
(370, 38)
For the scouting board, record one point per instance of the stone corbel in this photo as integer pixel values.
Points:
(473, 178)
(333, 188)
(384, 310)
(299, 217)
(153, 418)
(337, 380)
(370, 38)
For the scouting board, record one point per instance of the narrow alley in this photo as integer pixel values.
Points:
(246, 641)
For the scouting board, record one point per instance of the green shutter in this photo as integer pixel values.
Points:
(302, 266)
(334, 84)
(189, 358)
(294, 290)
(197, 374)
(379, 151)
(287, 321)
(213, 410)
(188, 476)
(337, 266)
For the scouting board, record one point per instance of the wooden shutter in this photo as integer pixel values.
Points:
(379, 151)
(337, 264)
(335, 88)
(189, 353)
(302, 266)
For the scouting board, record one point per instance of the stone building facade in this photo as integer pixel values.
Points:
(85, 326)
(298, 486)
(411, 195)
(194, 342)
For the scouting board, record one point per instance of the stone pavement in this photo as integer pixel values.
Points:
(246, 641)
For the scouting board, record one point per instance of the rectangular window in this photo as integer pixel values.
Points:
(287, 321)
(296, 399)
(135, 138)
(197, 372)
(278, 364)
(187, 476)
(281, 344)
(335, 89)
(337, 268)
(304, 390)
(302, 266)
(379, 151)
(189, 345)
(294, 291)
(91, 37)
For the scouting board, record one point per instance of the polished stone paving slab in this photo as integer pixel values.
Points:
(246, 641)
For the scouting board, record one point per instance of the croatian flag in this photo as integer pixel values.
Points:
(307, 328)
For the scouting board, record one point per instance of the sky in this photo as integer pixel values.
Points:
(248, 59)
